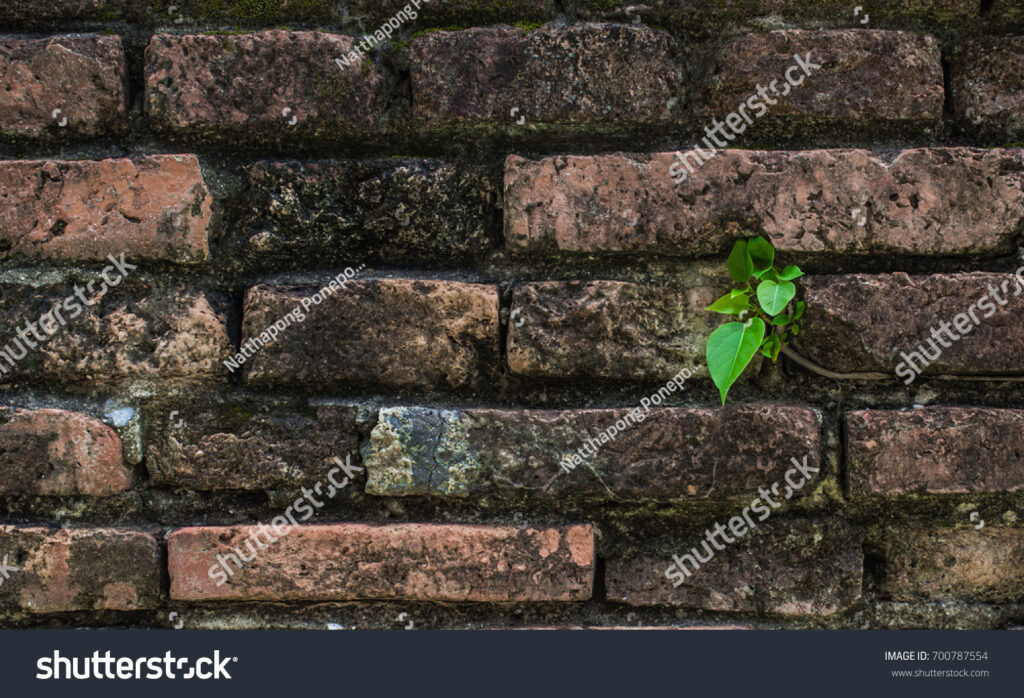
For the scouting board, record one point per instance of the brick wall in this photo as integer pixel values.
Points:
(299, 335)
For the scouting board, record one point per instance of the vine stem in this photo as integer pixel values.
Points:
(872, 376)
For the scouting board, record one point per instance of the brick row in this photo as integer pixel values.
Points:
(666, 454)
(929, 201)
(321, 84)
(358, 561)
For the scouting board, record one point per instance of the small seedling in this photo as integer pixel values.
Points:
(766, 321)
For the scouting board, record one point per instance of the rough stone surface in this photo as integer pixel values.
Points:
(135, 331)
(984, 566)
(248, 444)
(988, 88)
(866, 75)
(608, 329)
(927, 201)
(56, 452)
(402, 333)
(262, 82)
(947, 450)
(157, 207)
(316, 213)
(80, 569)
(865, 322)
(429, 562)
(787, 568)
(592, 73)
(672, 454)
(84, 77)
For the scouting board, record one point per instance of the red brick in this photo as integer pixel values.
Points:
(247, 443)
(947, 450)
(157, 207)
(56, 452)
(987, 87)
(401, 333)
(927, 201)
(811, 568)
(592, 73)
(608, 329)
(429, 562)
(688, 454)
(80, 569)
(84, 77)
(864, 322)
(867, 76)
(984, 566)
(138, 330)
(261, 82)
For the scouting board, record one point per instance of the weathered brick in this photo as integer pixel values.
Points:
(927, 201)
(137, 330)
(429, 562)
(866, 76)
(242, 444)
(262, 82)
(56, 452)
(787, 567)
(62, 85)
(608, 329)
(331, 212)
(987, 86)
(685, 454)
(403, 333)
(592, 73)
(865, 322)
(985, 566)
(156, 207)
(80, 569)
(936, 450)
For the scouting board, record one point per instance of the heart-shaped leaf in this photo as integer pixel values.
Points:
(730, 348)
(730, 304)
(773, 296)
(790, 273)
(761, 252)
(739, 264)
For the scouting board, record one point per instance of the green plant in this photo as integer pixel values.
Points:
(764, 323)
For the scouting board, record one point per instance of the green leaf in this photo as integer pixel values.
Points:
(781, 320)
(730, 349)
(730, 304)
(772, 345)
(795, 329)
(800, 305)
(774, 296)
(739, 264)
(790, 273)
(761, 252)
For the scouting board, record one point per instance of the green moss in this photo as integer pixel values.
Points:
(529, 26)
